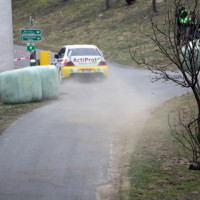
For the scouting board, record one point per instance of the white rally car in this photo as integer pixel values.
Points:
(73, 59)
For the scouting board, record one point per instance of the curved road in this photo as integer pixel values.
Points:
(62, 150)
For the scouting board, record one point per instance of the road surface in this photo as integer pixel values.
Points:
(62, 150)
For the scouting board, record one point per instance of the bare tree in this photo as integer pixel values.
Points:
(179, 45)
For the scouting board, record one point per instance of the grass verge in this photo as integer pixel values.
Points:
(158, 168)
(10, 113)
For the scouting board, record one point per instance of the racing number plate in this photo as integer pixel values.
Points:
(86, 70)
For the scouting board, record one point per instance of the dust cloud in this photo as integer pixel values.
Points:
(115, 108)
(111, 102)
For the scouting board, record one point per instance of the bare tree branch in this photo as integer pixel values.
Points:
(177, 39)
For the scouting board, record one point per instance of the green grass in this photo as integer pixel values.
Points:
(158, 169)
(149, 181)
(79, 22)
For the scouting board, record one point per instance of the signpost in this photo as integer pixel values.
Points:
(30, 46)
(30, 35)
(31, 38)
(31, 31)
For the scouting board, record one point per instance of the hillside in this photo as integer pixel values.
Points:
(88, 22)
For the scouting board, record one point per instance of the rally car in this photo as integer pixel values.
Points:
(77, 59)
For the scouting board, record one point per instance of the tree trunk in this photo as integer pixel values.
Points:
(107, 4)
(154, 6)
(196, 95)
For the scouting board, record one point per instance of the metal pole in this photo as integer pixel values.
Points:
(33, 53)
(31, 22)
(6, 36)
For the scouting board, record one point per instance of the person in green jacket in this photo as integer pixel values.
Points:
(182, 19)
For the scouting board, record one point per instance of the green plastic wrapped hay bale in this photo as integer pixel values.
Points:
(49, 81)
(20, 86)
(36, 85)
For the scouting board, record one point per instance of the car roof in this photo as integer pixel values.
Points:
(80, 46)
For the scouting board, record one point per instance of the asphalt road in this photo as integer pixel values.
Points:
(62, 150)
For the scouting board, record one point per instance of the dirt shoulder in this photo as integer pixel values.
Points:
(121, 148)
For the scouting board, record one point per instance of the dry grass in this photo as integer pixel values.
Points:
(10, 113)
(77, 22)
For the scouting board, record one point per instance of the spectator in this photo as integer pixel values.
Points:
(182, 23)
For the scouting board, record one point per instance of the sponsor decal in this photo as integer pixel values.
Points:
(86, 60)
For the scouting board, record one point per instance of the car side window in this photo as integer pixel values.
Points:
(62, 52)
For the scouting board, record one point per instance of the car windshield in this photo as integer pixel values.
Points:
(84, 52)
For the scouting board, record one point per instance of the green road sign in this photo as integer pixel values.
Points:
(31, 38)
(31, 31)
(30, 46)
